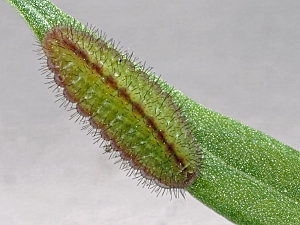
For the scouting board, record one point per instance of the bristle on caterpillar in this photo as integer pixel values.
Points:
(123, 105)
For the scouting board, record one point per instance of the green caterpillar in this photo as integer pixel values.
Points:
(123, 104)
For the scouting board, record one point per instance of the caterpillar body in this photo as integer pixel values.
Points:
(123, 104)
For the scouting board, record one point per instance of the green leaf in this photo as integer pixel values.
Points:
(41, 15)
(246, 176)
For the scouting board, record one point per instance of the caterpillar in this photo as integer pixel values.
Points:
(121, 103)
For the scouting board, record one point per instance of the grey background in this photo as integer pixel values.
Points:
(240, 58)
